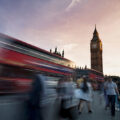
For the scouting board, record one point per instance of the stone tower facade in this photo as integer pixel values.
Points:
(96, 52)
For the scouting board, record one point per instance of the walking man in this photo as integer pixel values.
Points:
(111, 91)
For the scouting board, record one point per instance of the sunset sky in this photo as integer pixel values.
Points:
(67, 24)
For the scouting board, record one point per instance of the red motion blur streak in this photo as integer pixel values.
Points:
(96, 77)
(14, 85)
(18, 59)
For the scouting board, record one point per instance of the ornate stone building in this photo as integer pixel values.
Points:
(96, 52)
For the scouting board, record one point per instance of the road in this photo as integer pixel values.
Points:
(15, 110)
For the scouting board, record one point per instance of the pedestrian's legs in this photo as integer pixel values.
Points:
(89, 106)
(107, 101)
(119, 105)
(81, 105)
(32, 114)
(113, 105)
(73, 113)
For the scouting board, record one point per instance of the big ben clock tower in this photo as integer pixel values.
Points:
(96, 52)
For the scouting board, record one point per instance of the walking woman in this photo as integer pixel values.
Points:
(85, 95)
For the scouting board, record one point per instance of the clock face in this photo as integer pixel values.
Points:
(94, 46)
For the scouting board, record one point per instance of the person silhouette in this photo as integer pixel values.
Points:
(36, 95)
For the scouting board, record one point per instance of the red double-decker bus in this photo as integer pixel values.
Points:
(20, 60)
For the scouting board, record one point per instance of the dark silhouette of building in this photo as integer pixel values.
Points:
(57, 52)
(96, 52)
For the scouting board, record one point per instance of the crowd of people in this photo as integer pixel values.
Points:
(73, 96)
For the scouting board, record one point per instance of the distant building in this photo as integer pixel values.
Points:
(91, 73)
(96, 52)
(57, 53)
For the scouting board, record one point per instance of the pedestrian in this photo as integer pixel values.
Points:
(117, 101)
(36, 95)
(111, 91)
(119, 96)
(85, 94)
(66, 93)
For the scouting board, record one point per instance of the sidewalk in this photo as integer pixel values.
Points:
(99, 112)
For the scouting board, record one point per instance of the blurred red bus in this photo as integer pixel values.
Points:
(20, 60)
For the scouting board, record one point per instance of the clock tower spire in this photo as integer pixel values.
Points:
(96, 52)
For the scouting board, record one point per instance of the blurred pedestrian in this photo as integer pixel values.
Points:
(85, 94)
(118, 103)
(36, 95)
(117, 100)
(66, 93)
(111, 91)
